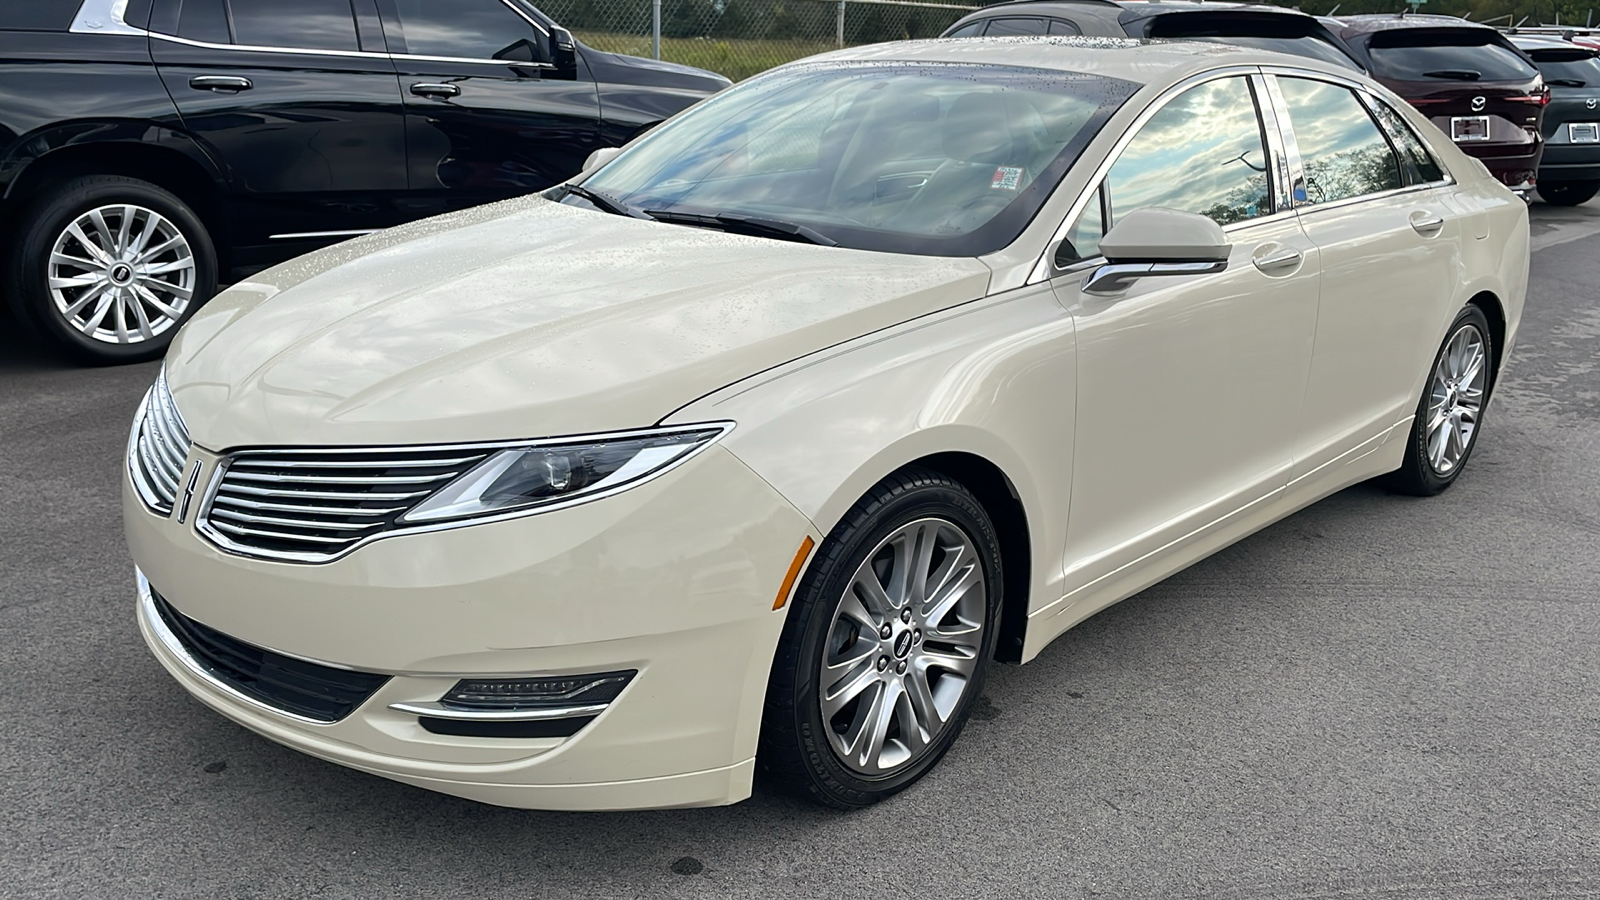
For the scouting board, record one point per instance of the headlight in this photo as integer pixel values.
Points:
(558, 472)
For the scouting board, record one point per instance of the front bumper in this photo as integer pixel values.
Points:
(675, 579)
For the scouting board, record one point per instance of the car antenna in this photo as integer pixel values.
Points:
(1334, 10)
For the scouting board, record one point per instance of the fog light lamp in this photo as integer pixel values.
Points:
(538, 693)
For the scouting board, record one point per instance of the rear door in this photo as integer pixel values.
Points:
(1376, 206)
(488, 115)
(298, 103)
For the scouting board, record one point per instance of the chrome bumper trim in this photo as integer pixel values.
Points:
(440, 711)
(152, 620)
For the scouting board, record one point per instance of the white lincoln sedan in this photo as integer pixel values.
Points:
(758, 443)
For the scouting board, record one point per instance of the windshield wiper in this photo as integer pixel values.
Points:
(1454, 74)
(607, 203)
(739, 223)
(1566, 82)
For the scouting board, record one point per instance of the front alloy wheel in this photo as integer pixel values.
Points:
(886, 644)
(903, 645)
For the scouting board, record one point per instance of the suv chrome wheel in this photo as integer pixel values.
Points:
(1455, 398)
(121, 274)
(904, 641)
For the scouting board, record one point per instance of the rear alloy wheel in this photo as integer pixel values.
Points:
(1567, 193)
(1451, 410)
(109, 267)
(887, 644)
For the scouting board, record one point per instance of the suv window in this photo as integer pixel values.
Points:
(204, 20)
(1016, 26)
(1422, 55)
(1202, 153)
(1568, 68)
(1343, 152)
(38, 15)
(466, 29)
(300, 24)
(970, 29)
(1420, 166)
(1062, 26)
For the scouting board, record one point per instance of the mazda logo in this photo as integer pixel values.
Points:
(1591, 102)
(1478, 103)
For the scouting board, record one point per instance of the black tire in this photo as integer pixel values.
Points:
(1418, 475)
(1567, 193)
(48, 217)
(795, 753)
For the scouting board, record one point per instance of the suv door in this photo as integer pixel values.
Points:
(1389, 244)
(1189, 387)
(489, 114)
(297, 102)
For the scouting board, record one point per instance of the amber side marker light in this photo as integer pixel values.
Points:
(794, 572)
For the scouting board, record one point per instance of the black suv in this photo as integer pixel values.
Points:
(150, 148)
(1569, 171)
(1263, 27)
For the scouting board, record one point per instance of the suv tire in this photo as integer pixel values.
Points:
(1567, 193)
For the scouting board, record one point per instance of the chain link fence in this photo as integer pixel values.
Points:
(739, 38)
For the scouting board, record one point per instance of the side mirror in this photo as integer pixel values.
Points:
(564, 54)
(600, 157)
(1151, 242)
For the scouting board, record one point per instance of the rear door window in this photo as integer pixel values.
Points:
(1343, 152)
(1017, 25)
(1062, 26)
(971, 29)
(1423, 55)
(297, 24)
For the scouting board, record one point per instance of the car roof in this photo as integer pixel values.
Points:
(1122, 10)
(1130, 59)
(1544, 42)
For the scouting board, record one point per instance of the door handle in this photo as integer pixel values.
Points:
(1282, 259)
(220, 84)
(1426, 223)
(430, 89)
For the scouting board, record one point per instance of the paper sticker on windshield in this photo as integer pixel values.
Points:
(1006, 178)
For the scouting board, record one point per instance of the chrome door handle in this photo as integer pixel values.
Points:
(1281, 259)
(1426, 223)
(429, 89)
(220, 84)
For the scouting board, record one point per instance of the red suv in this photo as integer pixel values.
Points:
(1480, 90)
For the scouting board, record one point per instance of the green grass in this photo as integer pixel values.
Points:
(737, 59)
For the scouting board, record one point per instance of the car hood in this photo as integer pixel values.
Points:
(525, 319)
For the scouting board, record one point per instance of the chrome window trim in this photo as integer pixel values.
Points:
(1291, 146)
(104, 17)
(1282, 198)
(202, 520)
(358, 54)
(1044, 267)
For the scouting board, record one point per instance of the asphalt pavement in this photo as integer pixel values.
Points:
(1379, 697)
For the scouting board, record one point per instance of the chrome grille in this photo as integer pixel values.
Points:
(159, 446)
(312, 506)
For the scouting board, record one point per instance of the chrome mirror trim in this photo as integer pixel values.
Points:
(1113, 278)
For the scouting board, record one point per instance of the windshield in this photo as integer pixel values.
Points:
(923, 158)
(1427, 56)
(1566, 68)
